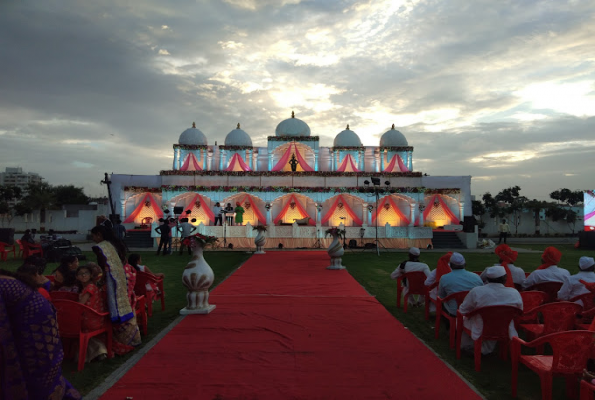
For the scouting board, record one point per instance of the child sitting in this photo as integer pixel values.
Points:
(90, 296)
(135, 261)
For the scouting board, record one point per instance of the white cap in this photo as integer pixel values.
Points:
(495, 272)
(457, 259)
(414, 251)
(586, 262)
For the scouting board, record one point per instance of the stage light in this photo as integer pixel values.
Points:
(375, 181)
(387, 183)
(366, 183)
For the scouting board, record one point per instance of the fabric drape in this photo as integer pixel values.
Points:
(261, 218)
(350, 212)
(156, 209)
(203, 203)
(402, 164)
(285, 158)
(394, 206)
(590, 215)
(301, 209)
(396, 160)
(239, 160)
(453, 218)
(348, 161)
(191, 164)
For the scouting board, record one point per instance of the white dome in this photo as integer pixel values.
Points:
(238, 137)
(292, 127)
(193, 136)
(393, 138)
(347, 138)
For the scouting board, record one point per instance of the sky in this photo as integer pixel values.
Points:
(503, 91)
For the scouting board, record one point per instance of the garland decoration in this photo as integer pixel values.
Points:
(348, 148)
(142, 189)
(285, 189)
(409, 174)
(396, 148)
(191, 146)
(293, 138)
(236, 148)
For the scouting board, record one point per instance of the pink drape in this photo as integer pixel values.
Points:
(257, 212)
(191, 159)
(348, 159)
(396, 159)
(397, 210)
(453, 218)
(285, 158)
(391, 165)
(203, 205)
(237, 159)
(156, 209)
(350, 212)
(590, 215)
(401, 164)
(299, 207)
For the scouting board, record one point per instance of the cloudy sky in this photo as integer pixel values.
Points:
(500, 90)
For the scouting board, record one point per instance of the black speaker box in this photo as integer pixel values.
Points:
(178, 210)
(7, 235)
(586, 240)
(469, 224)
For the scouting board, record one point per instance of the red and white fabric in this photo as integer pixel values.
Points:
(285, 158)
(302, 211)
(453, 218)
(204, 206)
(191, 164)
(237, 161)
(261, 218)
(348, 209)
(156, 209)
(394, 161)
(394, 206)
(348, 165)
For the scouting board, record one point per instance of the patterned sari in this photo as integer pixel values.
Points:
(30, 348)
(126, 334)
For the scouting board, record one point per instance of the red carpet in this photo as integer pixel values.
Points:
(287, 328)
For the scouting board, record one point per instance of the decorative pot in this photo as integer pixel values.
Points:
(335, 252)
(260, 241)
(198, 278)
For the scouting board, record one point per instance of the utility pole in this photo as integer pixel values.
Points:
(107, 182)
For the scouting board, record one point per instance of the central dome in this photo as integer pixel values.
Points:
(393, 138)
(193, 137)
(238, 137)
(292, 127)
(347, 138)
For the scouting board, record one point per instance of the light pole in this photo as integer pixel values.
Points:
(376, 190)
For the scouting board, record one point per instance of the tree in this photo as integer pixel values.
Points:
(8, 195)
(512, 203)
(568, 198)
(40, 196)
(69, 194)
(478, 210)
(536, 206)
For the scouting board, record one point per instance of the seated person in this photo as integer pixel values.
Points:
(32, 271)
(28, 237)
(135, 260)
(442, 269)
(493, 293)
(412, 264)
(91, 296)
(458, 280)
(72, 262)
(40, 263)
(65, 280)
(573, 286)
(506, 257)
(548, 271)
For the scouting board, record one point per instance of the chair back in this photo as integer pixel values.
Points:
(558, 317)
(56, 295)
(532, 299)
(588, 300)
(496, 320)
(571, 350)
(459, 297)
(550, 288)
(18, 241)
(73, 317)
(415, 282)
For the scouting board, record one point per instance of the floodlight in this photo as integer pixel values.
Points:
(375, 181)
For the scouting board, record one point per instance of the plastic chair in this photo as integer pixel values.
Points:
(31, 249)
(6, 248)
(77, 321)
(496, 322)
(571, 350)
(531, 299)
(587, 390)
(415, 285)
(550, 288)
(588, 300)
(57, 295)
(140, 288)
(141, 314)
(441, 312)
(21, 249)
(557, 317)
(584, 320)
(429, 300)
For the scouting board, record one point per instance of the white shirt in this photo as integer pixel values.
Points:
(550, 274)
(410, 266)
(490, 294)
(518, 274)
(572, 287)
(216, 211)
(186, 228)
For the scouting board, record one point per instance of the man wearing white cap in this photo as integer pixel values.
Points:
(458, 280)
(411, 265)
(493, 293)
(571, 286)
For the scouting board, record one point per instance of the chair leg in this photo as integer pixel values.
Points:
(546, 387)
(453, 333)
(477, 354)
(150, 306)
(405, 302)
(83, 343)
(571, 386)
(586, 392)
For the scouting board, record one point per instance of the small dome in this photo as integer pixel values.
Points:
(292, 127)
(393, 138)
(193, 136)
(347, 138)
(238, 137)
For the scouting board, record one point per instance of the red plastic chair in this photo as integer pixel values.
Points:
(550, 288)
(556, 317)
(571, 350)
(587, 390)
(588, 300)
(140, 288)
(415, 285)
(141, 314)
(440, 312)
(584, 320)
(531, 299)
(31, 249)
(496, 321)
(56, 295)
(77, 321)
(518, 286)
(429, 300)
(21, 249)
(6, 248)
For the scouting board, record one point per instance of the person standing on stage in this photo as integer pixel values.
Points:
(186, 228)
(229, 214)
(164, 231)
(217, 212)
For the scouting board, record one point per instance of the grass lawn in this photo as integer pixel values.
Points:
(493, 381)
(223, 263)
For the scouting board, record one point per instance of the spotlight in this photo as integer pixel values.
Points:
(367, 183)
(375, 181)
(387, 183)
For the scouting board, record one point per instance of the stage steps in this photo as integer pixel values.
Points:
(446, 240)
(138, 238)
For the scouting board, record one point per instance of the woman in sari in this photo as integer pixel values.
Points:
(30, 347)
(111, 256)
(239, 210)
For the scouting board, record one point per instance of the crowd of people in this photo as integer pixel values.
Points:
(30, 362)
(497, 285)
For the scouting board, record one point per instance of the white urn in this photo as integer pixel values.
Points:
(260, 241)
(198, 278)
(335, 252)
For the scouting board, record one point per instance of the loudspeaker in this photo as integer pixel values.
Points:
(7, 235)
(469, 224)
(178, 210)
(586, 240)
(353, 243)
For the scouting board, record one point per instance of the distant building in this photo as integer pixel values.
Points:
(16, 177)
